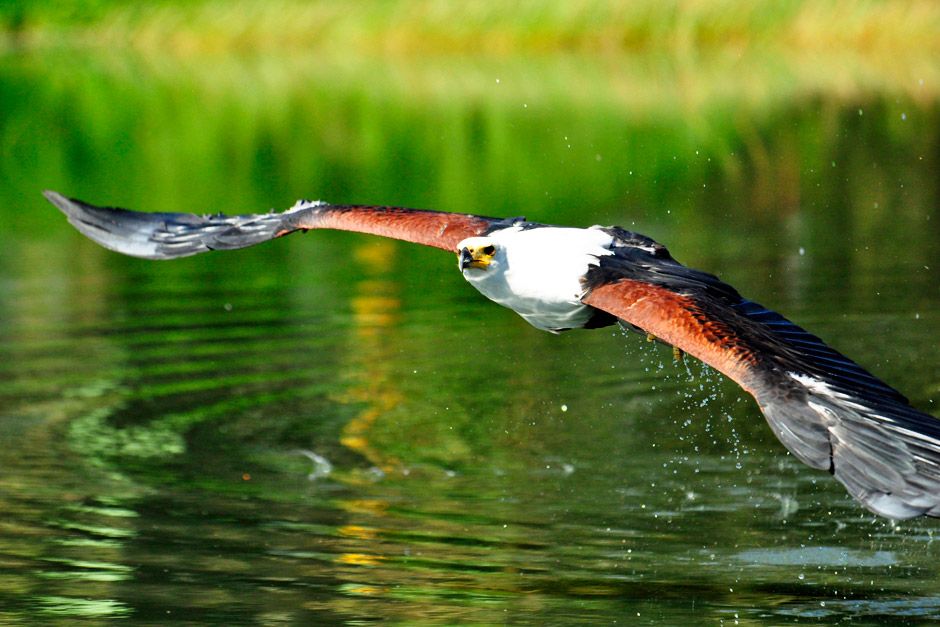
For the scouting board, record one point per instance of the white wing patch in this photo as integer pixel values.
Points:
(300, 205)
(823, 389)
(815, 385)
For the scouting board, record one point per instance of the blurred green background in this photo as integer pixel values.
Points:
(482, 471)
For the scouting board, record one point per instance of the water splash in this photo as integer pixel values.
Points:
(321, 465)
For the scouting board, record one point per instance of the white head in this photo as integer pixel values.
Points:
(536, 272)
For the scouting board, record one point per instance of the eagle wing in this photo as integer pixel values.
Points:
(172, 235)
(826, 409)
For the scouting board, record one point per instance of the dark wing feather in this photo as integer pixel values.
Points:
(826, 409)
(172, 235)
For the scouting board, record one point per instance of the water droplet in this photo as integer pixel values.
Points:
(321, 465)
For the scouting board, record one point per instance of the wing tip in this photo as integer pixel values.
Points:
(896, 507)
(119, 230)
(73, 208)
(64, 204)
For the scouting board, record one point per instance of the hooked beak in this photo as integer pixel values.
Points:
(467, 258)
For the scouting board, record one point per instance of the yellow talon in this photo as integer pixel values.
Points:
(650, 337)
(677, 353)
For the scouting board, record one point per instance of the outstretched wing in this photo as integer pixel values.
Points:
(171, 235)
(827, 410)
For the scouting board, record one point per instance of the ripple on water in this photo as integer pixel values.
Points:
(476, 465)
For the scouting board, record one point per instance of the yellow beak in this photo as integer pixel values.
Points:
(473, 257)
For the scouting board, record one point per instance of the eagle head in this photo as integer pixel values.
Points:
(476, 252)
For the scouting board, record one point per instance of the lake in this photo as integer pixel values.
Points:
(334, 428)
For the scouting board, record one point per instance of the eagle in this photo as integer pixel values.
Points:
(828, 411)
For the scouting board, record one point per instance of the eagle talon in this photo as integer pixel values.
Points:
(650, 337)
(678, 354)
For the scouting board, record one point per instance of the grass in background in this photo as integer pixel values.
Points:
(553, 141)
(667, 111)
(901, 27)
(644, 55)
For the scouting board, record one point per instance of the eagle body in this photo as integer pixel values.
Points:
(538, 271)
(828, 411)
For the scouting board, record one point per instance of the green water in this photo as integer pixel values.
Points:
(158, 419)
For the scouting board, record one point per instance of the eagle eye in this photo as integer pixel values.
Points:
(489, 250)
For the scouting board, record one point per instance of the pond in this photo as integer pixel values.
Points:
(337, 428)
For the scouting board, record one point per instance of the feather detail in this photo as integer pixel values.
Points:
(172, 235)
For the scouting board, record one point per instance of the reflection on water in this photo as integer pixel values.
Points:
(581, 477)
(819, 556)
(481, 471)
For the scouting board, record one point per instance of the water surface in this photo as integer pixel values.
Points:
(165, 425)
